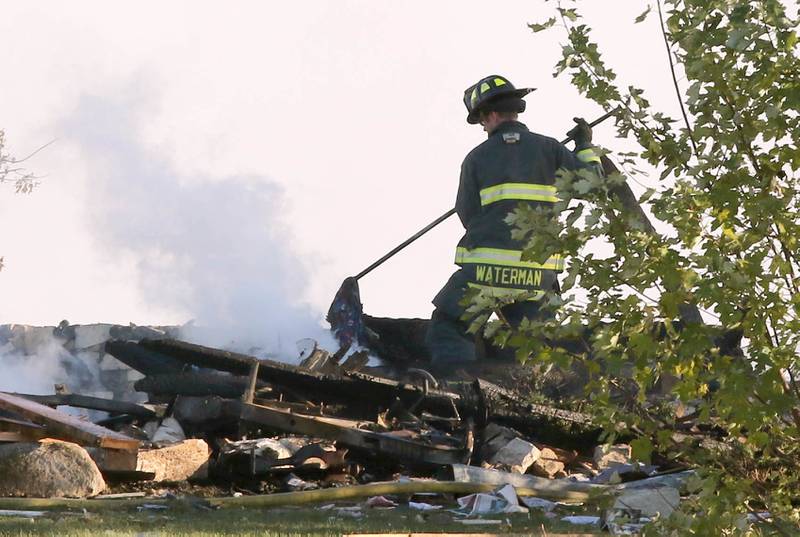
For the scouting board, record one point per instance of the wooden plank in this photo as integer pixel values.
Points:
(21, 436)
(65, 427)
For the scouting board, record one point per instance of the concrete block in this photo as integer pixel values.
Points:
(517, 455)
(90, 335)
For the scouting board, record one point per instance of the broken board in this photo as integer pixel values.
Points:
(65, 427)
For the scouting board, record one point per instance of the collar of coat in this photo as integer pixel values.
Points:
(509, 126)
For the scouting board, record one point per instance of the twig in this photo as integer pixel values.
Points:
(675, 81)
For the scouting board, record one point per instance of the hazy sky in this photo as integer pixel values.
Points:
(263, 150)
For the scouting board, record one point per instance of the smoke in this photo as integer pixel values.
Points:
(211, 248)
(35, 364)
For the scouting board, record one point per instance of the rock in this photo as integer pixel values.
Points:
(91, 335)
(547, 465)
(178, 462)
(48, 469)
(608, 456)
(518, 455)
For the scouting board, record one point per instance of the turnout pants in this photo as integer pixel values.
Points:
(447, 336)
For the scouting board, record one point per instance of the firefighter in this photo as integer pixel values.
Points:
(513, 166)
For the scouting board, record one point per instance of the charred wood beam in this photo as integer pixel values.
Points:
(92, 403)
(141, 359)
(195, 384)
(347, 387)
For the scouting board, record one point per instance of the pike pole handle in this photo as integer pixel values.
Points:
(451, 212)
(408, 241)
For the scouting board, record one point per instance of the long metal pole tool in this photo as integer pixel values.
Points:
(448, 214)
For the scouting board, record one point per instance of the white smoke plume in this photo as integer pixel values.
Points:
(44, 363)
(212, 248)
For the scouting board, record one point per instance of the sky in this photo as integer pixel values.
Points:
(234, 162)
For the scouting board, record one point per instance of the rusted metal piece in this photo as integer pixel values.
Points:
(65, 427)
(348, 433)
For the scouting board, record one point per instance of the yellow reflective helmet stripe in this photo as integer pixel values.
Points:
(474, 97)
(588, 155)
(505, 258)
(518, 191)
(484, 87)
(506, 292)
(499, 82)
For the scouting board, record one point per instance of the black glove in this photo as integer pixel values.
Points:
(581, 133)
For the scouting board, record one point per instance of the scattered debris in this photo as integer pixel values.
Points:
(330, 430)
(502, 500)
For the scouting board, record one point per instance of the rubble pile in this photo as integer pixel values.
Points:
(258, 427)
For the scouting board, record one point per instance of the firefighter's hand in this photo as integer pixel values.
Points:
(581, 133)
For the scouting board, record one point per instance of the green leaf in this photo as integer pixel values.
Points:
(543, 26)
(642, 449)
(643, 15)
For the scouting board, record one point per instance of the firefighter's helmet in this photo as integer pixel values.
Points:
(493, 93)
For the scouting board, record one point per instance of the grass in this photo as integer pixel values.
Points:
(267, 523)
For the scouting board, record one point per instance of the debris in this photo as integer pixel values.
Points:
(185, 460)
(502, 500)
(348, 433)
(48, 469)
(547, 464)
(93, 403)
(656, 502)
(539, 503)
(381, 502)
(581, 520)
(24, 514)
(517, 455)
(422, 506)
(168, 432)
(292, 483)
(624, 472)
(608, 456)
(66, 427)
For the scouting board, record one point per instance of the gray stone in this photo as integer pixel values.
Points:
(48, 469)
(178, 462)
(518, 455)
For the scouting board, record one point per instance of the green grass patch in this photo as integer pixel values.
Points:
(266, 523)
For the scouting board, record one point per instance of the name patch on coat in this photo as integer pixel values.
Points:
(511, 137)
(494, 275)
